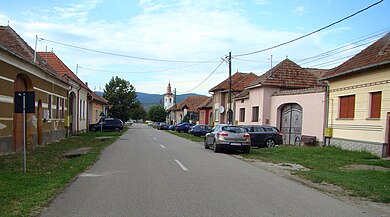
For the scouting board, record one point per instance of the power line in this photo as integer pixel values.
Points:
(311, 33)
(126, 56)
(205, 78)
(350, 46)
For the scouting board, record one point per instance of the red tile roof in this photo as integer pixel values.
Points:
(374, 55)
(288, 74)
(300, 91)
(96, 97)
(60, 67)
(208, 103)
(191, 103)
(239, 82)
(243, 95)
(11, 42)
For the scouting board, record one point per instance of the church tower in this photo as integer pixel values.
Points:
(168, 97)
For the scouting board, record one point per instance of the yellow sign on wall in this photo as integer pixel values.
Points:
(68, 120)
(328, 132)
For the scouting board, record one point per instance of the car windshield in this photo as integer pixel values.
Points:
(234, 129)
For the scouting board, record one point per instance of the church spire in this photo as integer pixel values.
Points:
(169, 89)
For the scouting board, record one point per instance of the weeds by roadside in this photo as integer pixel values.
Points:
(187, 136)
(330, 165)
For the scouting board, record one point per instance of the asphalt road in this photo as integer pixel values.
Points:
(153, 173)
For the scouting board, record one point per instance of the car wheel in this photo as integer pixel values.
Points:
(247, 150)
(117, 129)
(270, 143)
(205, 144)
(216, 148)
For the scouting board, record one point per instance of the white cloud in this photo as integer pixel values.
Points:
(187, 30)
(299, 10)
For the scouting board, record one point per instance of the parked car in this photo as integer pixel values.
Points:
(163, 126)
(156, 124)
(107, 124)
(200, 129)
(172, 128)
(264, 136)
(183, 127)
(225, 136)
(150, 123)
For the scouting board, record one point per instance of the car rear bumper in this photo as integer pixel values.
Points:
(233, 145)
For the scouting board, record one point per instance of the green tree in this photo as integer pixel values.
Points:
(121, 96)
(186, 118)
(157, 113)
(138, 112)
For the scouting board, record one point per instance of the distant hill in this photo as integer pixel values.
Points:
(147, 99)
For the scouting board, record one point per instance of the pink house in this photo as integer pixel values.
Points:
(288, 97)
(206, 112)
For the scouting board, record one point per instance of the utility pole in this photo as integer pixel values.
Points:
(230, 112)
(174, 96)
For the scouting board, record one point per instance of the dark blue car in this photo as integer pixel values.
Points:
(200, 129)
(183, 127)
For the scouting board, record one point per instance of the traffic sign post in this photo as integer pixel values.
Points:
(24, 103)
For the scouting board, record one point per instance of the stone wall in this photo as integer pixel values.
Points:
(378, 149)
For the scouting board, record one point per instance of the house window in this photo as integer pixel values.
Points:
(376, 102)
(347, 106)
(242, 114)
(255, 114)
(57, 107)
(63, 108)
(49, 105)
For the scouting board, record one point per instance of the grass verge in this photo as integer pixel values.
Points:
(327, 164)
(47, 173)
(187, 136)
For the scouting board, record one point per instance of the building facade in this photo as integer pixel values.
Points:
(21, 71)
(78, 94)
(359, 100)
(205, 110)
(222, 98)
(287, 97)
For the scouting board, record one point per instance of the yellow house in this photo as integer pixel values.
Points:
(359, 100)
(97, 106)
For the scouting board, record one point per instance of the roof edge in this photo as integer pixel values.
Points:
(356, 70)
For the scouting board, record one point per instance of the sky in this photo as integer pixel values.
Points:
(185, 42)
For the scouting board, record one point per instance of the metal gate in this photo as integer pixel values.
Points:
(291, 123)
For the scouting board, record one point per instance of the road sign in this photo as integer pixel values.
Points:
(29, 101)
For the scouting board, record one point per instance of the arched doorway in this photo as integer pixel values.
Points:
(22, 83)
(210, 119)
(291, 122)
(40, 122)
(72, 113)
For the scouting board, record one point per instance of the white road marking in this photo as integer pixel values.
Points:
(181, 165)
(154, 138)
(162, 146)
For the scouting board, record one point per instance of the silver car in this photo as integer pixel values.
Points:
(225, 136)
